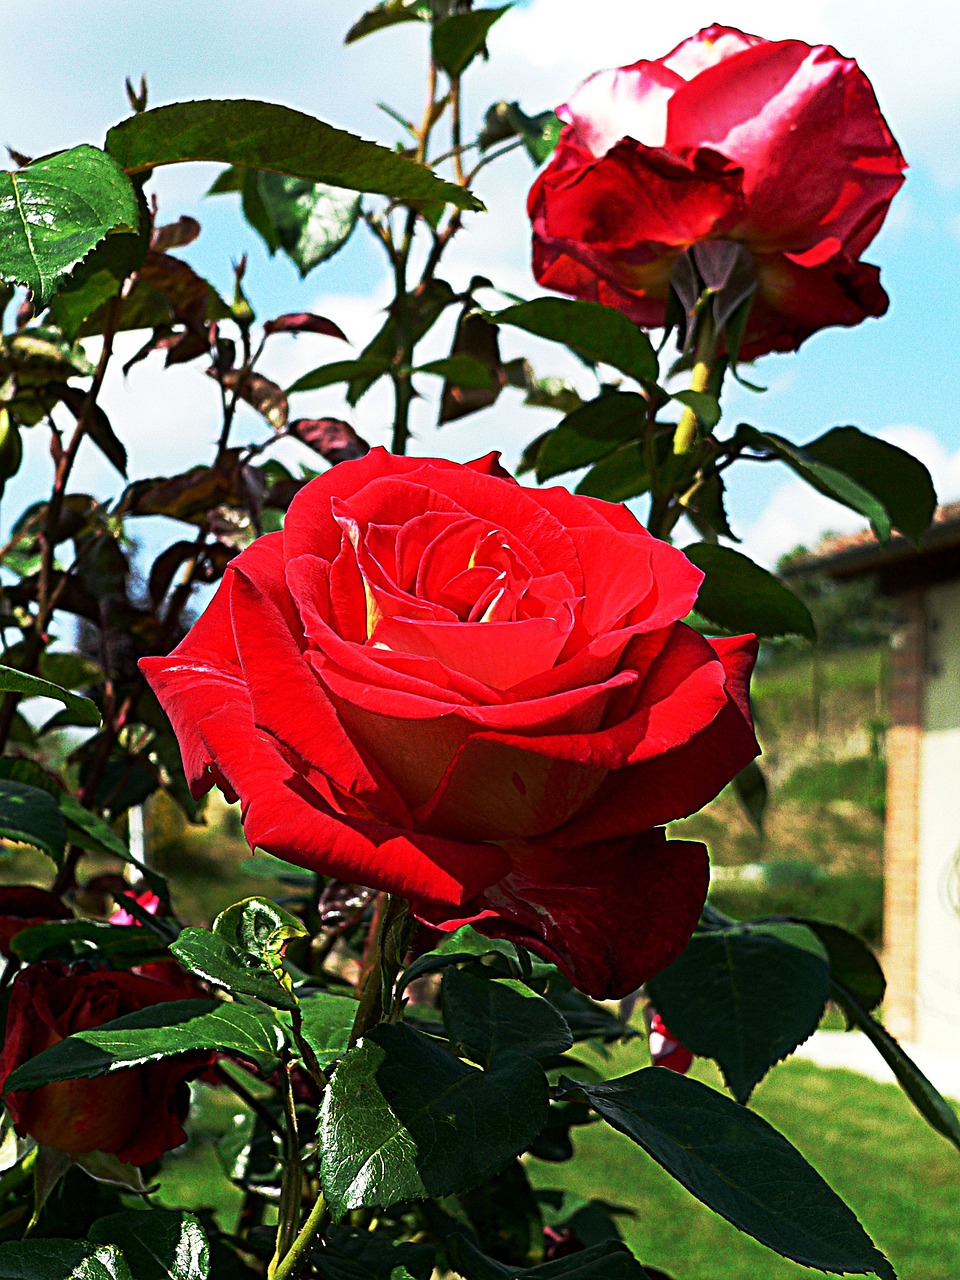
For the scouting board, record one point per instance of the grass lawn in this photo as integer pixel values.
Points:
(901, 1179)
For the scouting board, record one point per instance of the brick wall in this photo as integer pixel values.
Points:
(901, 844)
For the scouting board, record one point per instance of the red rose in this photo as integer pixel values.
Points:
(773, 144)
(474, 695)
(22, 905)
(135, 1113)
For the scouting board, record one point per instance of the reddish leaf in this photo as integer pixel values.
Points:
(305, 322)
(330, 437)
(265, 396)
(477, 338)
(188, 497)
(175, 234)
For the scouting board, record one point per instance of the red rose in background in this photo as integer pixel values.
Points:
(474, 695)
(665, 1050)
(136, 1113)
(773, 144)
(22, 905)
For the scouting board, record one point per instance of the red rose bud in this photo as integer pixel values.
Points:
(771, 144)
(476, 696)
(23, 905)
(135, 1113)
(665, 1051)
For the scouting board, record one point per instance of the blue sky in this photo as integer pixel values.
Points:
(896, 376)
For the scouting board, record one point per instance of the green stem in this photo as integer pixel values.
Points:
(291, 1263)
(687, 435)
(382, 965)
(291, 1189)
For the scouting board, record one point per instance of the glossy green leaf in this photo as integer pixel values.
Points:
(93, 940)
(13, 681)
(181, 1026)
(927, 1099)
(739, 1166)
(258, 928)
(54, 211)
(214, 960)
(161, 1244)
(340, 371)
(895, 477)
(458, 39)
(62, 1260)
(32, 816)
(326, 1021)
(403, 1118)
(596, 332)
(309, 221)
(264, 135)
(739, 595)
(488, 1018)
(388, 14)
(593, 431)
(745, 996)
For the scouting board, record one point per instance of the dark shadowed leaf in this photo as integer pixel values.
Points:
(621, 475)
(388, 14)
(489, 1018)
(98, 427)
(739, 1166)
(740, 596)
(403, 1118)
(332, 438)
(751, 789)
(62, 1260)
(852, 963)
(746, 996)
(12, 681)
(477, 340)
(32, 816)
(705, 509)
(341, 371)
(161, 1031)
(174, 235)
(305, 322)
(592, 330)
(263, 135)
(458, 39)
(611, 1260)
(463, 370)
(925, 1096)
(54, 211)
(91, 940)
(591, 432)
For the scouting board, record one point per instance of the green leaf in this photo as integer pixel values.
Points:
(214, 960)
(740, 596)
(61, 1260)
(539, 134)
(610, 1260)
(706, 407)
(461, 370)
(925, 1096)
(852, 963)
(309, 221)
(848, 487)
(737, 1165)
(258, 928)
(32, 816)
(745, 996)
(326, 1021)
(592, 431)
(752, 791)
(388, 14)
(622, 475)
(488, 1018)
(895, 477)
(424, 309)
(403, 1118)
(340, 371)
(457, 40)
(160, 1244)
(89, 831)
(87, 940)
(54, 211)
(586, 1019)
(264, 135)
(592, 330)
(13, 681)
(161, 1031)
(457, 948)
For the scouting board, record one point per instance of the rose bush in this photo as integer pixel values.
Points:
(774, 144)
(135, 1113)
(474, 695)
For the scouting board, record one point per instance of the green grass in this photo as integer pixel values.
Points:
(901, 1179)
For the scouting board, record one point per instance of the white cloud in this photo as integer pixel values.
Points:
(797, 515)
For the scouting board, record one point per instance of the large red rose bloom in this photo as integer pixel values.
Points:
(773, 144)
(474, 695)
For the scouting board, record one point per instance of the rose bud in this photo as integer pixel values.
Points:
(665, 1051)
(22, 905)
(775, 145)
(476, 696)
(135, 1113)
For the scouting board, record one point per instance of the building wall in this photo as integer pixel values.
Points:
(937, 949)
